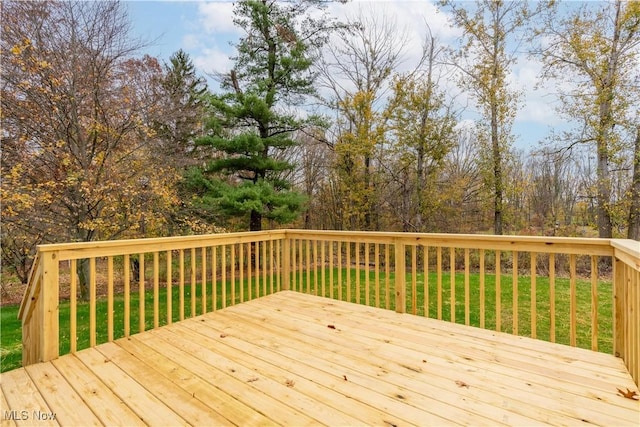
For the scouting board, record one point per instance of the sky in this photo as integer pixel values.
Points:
(205, 30)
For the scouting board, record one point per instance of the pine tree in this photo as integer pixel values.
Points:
(252, 123)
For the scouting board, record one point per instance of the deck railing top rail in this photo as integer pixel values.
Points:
(576, 245)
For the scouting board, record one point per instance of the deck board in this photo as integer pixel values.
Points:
(295, 359)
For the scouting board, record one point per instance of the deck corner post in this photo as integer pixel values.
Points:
(618, 308)
(400, 275)
(48, 306)
(286, 263)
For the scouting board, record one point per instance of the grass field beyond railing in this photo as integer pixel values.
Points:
(11, 357)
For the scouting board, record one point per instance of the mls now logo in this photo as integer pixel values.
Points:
(15, 415)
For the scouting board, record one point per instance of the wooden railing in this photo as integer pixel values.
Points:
(581, 292)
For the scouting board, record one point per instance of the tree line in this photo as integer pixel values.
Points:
(319, 124)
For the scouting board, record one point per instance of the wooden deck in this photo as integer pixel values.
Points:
(294, 359)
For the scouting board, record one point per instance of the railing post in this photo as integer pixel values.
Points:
(400, 277)
(286, 263)
(618, 308)
(48, 307)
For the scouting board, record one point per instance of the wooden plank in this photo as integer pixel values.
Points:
(110, 298)
(387, 272)
(376, 274)
(141, 285)
(345, 357)
(233, 274)
(214, 397)
(498, 292)
(6, 419)
(316, 408)
(304, 378)
(552, 298)
(193, 410)
(67, 405)
(594, 303)
(467, 310)
(514, 303)
(181, 284)
(203, 364)
(241, 270)
(281, 264)
(308, 264)
(261, 273)
(92, 302)
(223, 266)
(214, 278)
(323, 265)
(193, 282)
(73, 306)
(573, 305)
(414, 279)
(358, 284)
(80, 250)
(452, 285)
(340, 283)
(265, 266)
(299, 266)
(127, 295)
(348, 271)
(425, 263)
(109, 408)
(331, 285)
(400, 277)
(450, 347)
(482, 290)
(439, 280)
(559, 354)
(169, 286)
(156, 289)
(48, 322)
(403, 403)
(249, 281)
(203, 280)
(148, 407)
(534, 300)
(516, 345)
(23, 397)
(367, 277)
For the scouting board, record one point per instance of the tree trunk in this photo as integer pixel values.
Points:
(633, 229)
(497, 173)
(255, 221)
(82, 270)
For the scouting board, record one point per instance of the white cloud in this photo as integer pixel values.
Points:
(190, 41)
(217, 17)
(212, 59)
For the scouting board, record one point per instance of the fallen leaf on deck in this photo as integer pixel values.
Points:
(252, 379)
(462, 384)
(629, 394)
(290, 383)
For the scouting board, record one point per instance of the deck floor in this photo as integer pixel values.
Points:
(293, 359)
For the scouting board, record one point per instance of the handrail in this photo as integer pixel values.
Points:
(243, 265)
(31, 291)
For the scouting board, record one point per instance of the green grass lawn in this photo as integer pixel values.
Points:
(10, 338)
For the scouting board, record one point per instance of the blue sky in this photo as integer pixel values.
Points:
(205, 30)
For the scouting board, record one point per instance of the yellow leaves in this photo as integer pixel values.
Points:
(19, 48)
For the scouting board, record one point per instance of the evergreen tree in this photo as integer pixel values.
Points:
(182, 114)
(253, 120)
